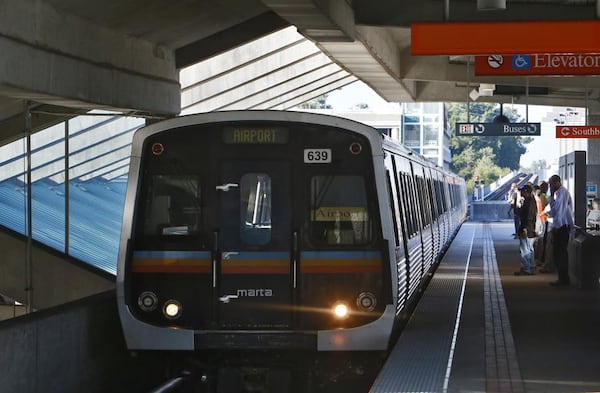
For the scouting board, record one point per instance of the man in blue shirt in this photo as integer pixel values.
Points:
(561, 211)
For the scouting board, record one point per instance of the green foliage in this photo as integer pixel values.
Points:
(536, 166)
(486, 157)
(319, 102)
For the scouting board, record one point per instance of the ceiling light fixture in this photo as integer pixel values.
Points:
(491, 5)
(484, 90)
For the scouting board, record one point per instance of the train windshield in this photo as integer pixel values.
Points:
(339, 211)
(173, 206)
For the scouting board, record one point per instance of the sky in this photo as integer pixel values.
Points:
(544, 147)
(352, 94)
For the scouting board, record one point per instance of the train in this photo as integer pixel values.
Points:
(259, 242)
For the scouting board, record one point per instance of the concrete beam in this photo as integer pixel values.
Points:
(52, 57)
(369, 54)
(42, 117)
(405, 12)
(319, 20)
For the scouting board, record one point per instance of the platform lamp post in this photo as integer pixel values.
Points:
(478, 184)
(481, 186)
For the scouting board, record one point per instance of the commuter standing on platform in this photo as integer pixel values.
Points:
(527, 214)
(561, 211)
(513, 198)
(538, 244)
(546, 257)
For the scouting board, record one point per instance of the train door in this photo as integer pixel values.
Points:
(253, 277)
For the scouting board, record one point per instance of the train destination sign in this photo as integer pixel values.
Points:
(539, 64)
(578, 131)
(255, 135)
(498, 129)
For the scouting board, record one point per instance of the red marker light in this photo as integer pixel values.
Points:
(157, 149)
(355, 148)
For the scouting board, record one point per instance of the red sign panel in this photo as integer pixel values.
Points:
(578, 131)
(539, 64)
(488, 38)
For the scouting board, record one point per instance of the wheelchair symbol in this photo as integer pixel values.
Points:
(521, 62)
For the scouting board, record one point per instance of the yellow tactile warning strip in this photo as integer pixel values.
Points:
(502, 365)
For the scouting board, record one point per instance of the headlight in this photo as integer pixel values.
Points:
(340, 310)
(147, 301)
(366, 301)
(172, 309)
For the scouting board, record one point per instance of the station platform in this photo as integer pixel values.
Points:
(480, 328)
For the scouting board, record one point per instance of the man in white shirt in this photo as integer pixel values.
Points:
(561, 211)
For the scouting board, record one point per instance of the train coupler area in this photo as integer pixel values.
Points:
(295, 372)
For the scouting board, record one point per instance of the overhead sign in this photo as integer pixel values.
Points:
(539, 64)
(578, 131)
(499, 38)
(498, 129)
(591, 190)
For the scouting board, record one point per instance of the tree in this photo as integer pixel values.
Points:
(319, 102)
(536, 166)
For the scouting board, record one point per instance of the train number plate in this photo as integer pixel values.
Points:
(317, 156)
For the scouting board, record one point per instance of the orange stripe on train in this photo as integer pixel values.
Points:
(341, 266)
(255, 266)
(171, 265)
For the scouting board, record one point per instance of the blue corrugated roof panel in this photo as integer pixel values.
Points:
(96, 209)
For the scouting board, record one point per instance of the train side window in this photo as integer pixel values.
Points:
(394, 206)
(412, 203)
(408, 207)
(173, 206)
(438, 199)
(425, 206)
(444, 197)
(339, 212)
(433, 197)
(255, 209)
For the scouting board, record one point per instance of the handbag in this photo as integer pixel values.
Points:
(539, 226)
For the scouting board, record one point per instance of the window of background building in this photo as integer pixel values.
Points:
(431, 153)
(412, 107)
(431, 107)
(412, 135)
(411, 119)
(430, 135)
(431, 118)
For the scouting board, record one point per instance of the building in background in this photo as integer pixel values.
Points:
(568, 117)
(422, 126)
(426, 130)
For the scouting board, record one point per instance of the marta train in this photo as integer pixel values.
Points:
(260, 234)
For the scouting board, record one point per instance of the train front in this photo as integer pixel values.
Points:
(255, 236)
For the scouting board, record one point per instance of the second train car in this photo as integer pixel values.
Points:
(277, 235)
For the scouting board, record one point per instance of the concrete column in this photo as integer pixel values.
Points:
(593, 153)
